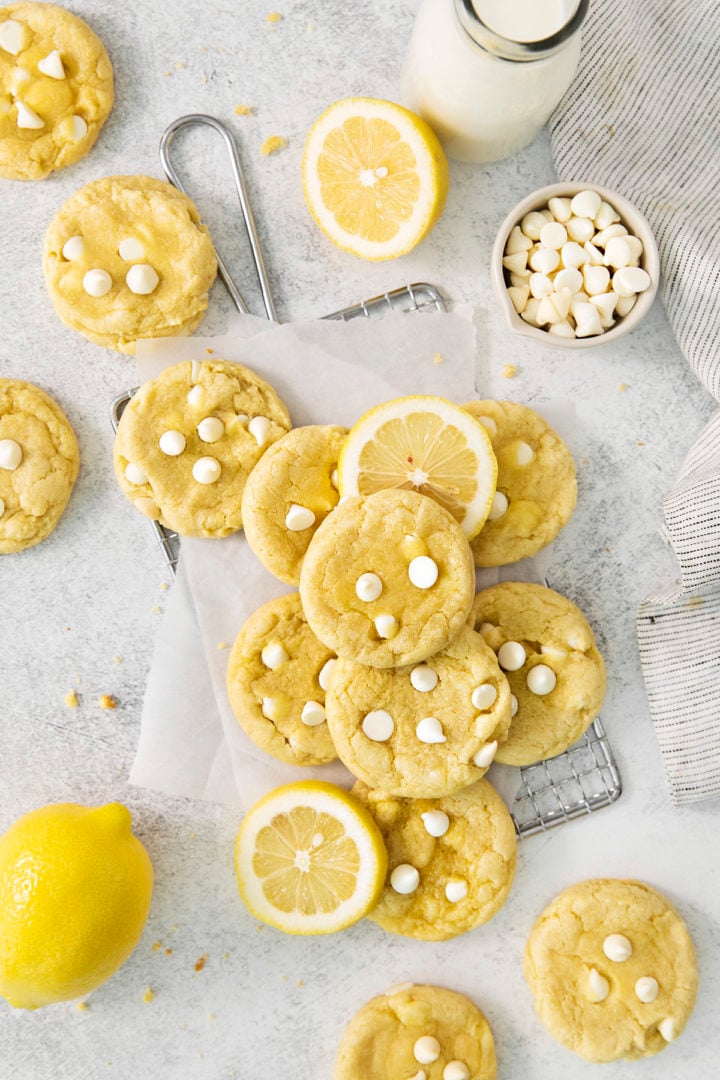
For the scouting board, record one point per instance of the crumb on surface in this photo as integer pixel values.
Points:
(274, 17)
(167, 74)
(639, 442)
(283, 978)
(82, 1006)
(244, 110)
(157, 946)
(180, 65)
(71, 699)
(107, 701)
(148, 995)
(226, 956)
(212, 1016)
(209, 350)
(223, 645)
(117, 659)
(156, 611)
(438, 359)
(509, 371)
(200, 964)
(273, 145)
(300, 984)
(623, 387)
(168, 952)
(164, 585)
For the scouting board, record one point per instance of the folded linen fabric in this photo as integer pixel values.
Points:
(642, 117)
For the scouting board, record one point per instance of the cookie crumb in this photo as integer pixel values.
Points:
(117, 659)
(82, 1006)
(157, 946)
(167, 74)
(164, 585)
(156, 611)
(300, 984)
(509, 371)
(200, 964)
(209, 351)
(212, 1016)
(223, 645)
(168, 952)
(107, 701)
(283, 978)
(226, 956)
(639, 442)
(623, 387)
(273, 145)
(71, 699)
(244, 110)
(438, 359)
(274, 17)
(148, 996)
(180, 65)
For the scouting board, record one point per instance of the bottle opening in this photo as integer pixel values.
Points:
(521, 29)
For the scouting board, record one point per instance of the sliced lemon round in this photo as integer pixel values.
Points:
(310, 859)
(375, 177)
(425, 444)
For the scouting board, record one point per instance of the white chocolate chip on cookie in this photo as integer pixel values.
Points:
(456, 890)
(617, 948)
(206, 470)
(134, 474)
(511, 656)
(423, 678)
(299, 518)
(456, 1070)
(423, 572)
(73, 248)
(210, 429)
(172, 443)
(142, 279)
(325, 673)
(386, 626)
(97, 282)
(52, 65)
(14, 36)
(541, 680)
(499, 506)
(647, 989)
(131, 249)
(313, 714)
(368, 587)
(429, 730)
(378, 725)
(259, 428)
(436, 822)
(484, 696)
(486, 755)
(598, 987)
(426, 1050)
(405, 879)
(273, 655)
(10, 454)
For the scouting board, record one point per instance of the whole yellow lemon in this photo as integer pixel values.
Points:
(75, 889)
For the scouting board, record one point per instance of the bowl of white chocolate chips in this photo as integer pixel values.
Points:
(575, 265)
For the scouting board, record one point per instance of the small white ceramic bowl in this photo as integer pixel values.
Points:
(634, 222)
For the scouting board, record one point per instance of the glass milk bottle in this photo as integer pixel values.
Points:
(486, 74)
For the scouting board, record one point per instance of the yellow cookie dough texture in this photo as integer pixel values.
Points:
(35, 433)
(474, 860)
(536, 485)
(129, 230)
(379, 720)
(626, 997)
(554, 635)
(289, 494)
(56, 90)
(177, 489)
(385, 534)
(273, 680)
(397, 1033)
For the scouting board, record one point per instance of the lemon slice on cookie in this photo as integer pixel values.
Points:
(310, 859)
(425, 444)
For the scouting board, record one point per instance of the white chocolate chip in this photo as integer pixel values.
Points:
(511, 656)
(519, 297)
(458, 1070)
(524, 453)
(587, 318)
(625, 305)
(553, 651)
(426, 1050)
(606, 215)
(26, 118)
(420, 1074)
(605, 303)
(541, 680)
(134, 474)
(617, 253)
(194, 395)
(456, 890)
(131, 249)
(18, 78)
(562, 329)
(259, 428)
(486, 755)
(594, 254)
(573, 255)
(516, 264)
(334, 479)
(486, 630)
(429, 730)
(73, 248)
(206, 470)
(299, 518)
(97, 283)
(273, 655)
(667, 1029)
(423, 678)
(368, 587)
(52, 65)
(386, 626)
(489, 424)
(532, 223)
(630, 280)
(269, 708)
(545, 260)
(13, 36)
(580, 229)
(499, 506)
(601, 238)
(636, 249)
(560, 208)
(79, 128)
(579, 641)
(540, 285)
(568, 278)
(436, 822)
(484, 696)
(531, 311)
(513, 705)
(517, 241)
(596, 279)
(647, 989)
(142, 279)
(2, 507)
(617, 948)
(423, 572)
(210, 429)
(10, 454)
(553, 235)
(519, 281)
(313, 714)
(172, 443)
(195, 369)
(598, 986)
(378, 725)
(325, 673)
(586, 204)
(405, 879)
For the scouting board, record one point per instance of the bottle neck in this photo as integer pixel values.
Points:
(509, 48)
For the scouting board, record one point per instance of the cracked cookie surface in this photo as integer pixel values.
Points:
(39, 463)
(612, 970)
(387, 578)
(127, 257)
(188, 440)
(56, 90)
(275, 673)
(464, 849)
(421, 743)
(547, 650)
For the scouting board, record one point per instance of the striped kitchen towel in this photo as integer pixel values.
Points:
(642, 117)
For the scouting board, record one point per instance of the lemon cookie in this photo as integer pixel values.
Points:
(56, 90)
(536, 486)
(289, 494)
(277, 675)
(387, 579)
(188, 440)
(127, 257)
(612, 969)
(546, 648)
(417, 1033)
(424, 730)
(451, 860)
(39, 463)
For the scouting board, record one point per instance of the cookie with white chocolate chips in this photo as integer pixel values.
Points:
(421, 731)
(612, 970)
(386, 579)
(56, 90)
(188, 439)
(126, 257)
(536, 486)
(546, 648)
(418, 1033)
(451, 860)
(277, 676)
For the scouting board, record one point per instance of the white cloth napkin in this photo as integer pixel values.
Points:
(642, 117)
